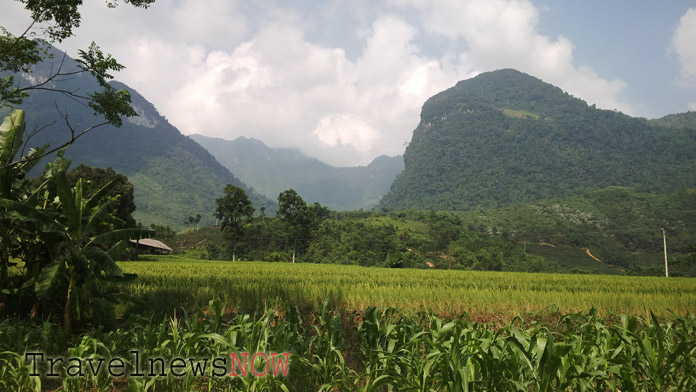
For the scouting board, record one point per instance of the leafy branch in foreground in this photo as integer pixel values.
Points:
(21, 55)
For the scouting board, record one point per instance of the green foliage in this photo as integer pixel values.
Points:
(233, 211)
(163, 233)
(504, 138)
(64, 238)
(380, 350)
(680, 120)
(21, 53)
(63, 16)
(298, 219)
(95, 178)
(619, 225)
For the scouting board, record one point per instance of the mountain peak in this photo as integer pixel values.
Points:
(504, 74)
(502, 89)
(505, 137)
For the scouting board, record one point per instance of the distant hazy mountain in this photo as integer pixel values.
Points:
(173, 177)
(272, 170)
(505, 137)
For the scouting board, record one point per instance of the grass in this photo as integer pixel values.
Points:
(170, 282)
(520, 114)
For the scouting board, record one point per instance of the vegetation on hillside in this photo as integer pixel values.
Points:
(313, 233)
(617, 224)
(679, 120)
(504, 137)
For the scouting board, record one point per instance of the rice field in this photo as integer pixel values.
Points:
(349, 328)
(170, 282)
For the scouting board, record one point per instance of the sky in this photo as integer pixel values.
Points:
(344, 80)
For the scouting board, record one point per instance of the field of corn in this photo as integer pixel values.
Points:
(366, 329)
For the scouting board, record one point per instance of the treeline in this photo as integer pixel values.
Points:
(621, 226)
(313, 233)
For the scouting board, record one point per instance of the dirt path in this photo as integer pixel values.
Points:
(587, 250)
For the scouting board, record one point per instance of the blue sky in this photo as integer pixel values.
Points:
(628, 40)
(344, 80)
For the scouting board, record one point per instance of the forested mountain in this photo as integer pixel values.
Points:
(505, 137)
(272, 170)
(173, 176)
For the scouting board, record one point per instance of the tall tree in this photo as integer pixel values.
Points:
(234, 209)
(197, 220)
(298, 218)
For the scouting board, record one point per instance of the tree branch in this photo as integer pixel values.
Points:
(73, 136)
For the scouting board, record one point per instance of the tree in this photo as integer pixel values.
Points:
(162, 232)
(19, 53)
(298, 219)
(197, 220)
(234, 209)
(96, 178)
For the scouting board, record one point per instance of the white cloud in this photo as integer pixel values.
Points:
(503, 34)
(228, 69)
(684, 44)
(345, 129)
(282, 89)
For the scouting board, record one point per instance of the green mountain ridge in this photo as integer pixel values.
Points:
(173, 176)
(505, 137)
(272, 170)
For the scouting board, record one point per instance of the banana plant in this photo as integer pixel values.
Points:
(62, 237)
(86, 248)
(15, 186)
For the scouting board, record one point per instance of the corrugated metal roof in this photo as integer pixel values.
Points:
(152, 243)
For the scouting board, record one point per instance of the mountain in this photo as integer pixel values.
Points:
(506, 137)
(173, 177)
(272, 170)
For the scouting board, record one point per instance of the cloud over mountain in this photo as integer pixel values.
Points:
(343, 81)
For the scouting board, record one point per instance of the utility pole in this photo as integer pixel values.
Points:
(664, 241)
(449, 254)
